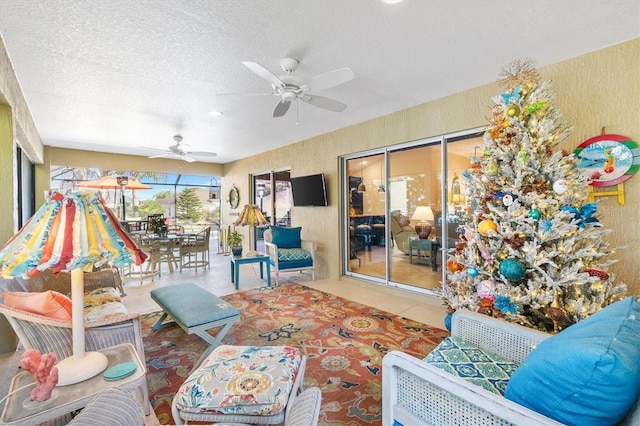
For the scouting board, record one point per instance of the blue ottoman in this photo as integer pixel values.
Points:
(196, 311)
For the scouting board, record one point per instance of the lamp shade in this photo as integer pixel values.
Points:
(422, 214)
(250, 215)
(71, 233)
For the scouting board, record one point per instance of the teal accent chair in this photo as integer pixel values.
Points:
(288, 252)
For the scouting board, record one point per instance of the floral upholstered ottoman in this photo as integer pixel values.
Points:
(243, 384)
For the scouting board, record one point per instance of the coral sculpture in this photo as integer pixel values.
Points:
(42, 369)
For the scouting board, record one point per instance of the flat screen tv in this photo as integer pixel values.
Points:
(309, 190)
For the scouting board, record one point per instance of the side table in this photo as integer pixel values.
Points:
(19, 409)
(424, 248)
(236, 261)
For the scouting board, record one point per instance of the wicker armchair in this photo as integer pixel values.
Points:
(112, 407)
(46, 280)
(51, 335)
(417, 393)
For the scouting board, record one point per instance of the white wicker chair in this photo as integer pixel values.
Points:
(417, 393)
(112, 407)
(52, 335)
(46, 280)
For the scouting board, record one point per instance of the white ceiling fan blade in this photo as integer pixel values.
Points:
(329, 79)
(325, 103)
(264, 73)
(246, 94)
(186, 158)
(281, 108)
(167, 155)
(202, 153)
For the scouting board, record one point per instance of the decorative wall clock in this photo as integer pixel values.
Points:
(608, 160)
(234, 197)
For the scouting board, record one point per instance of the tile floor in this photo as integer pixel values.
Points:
(217, 279)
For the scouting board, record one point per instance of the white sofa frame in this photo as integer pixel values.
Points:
(417, 393)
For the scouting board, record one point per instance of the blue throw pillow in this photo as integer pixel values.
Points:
(286, 237)
(588, 374)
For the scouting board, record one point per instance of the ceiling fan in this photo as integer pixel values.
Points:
(176, 151)
(289, 87)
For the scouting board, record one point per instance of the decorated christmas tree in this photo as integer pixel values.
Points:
(533, 250)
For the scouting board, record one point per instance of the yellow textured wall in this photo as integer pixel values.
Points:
(602, 89)
(7, 170)
(594, 90)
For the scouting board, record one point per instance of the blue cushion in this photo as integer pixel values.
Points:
(286, 237)
(464, 360)
(191, 304)
(589, 373)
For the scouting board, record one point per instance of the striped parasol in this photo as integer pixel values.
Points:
(72, 233)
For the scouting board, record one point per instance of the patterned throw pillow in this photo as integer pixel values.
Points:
(289, 255)
(461, 359)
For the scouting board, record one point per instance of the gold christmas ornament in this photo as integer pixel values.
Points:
(512, 111)
(491, 169)
(485, 226)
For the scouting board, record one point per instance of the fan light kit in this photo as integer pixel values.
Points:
(289, 87)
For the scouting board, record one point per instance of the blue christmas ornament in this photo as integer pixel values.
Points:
(534, 213)
(510, 98)
(546, 225)
(584, 215)
(472, 272)
(447, 322)
(505, 305)
(512, 269)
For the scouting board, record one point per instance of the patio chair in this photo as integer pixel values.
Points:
(194, 250)
(152, 266)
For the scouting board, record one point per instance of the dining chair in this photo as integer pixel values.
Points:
(194, 250)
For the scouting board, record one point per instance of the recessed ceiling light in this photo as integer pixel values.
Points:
(391, 1)
(215, 113)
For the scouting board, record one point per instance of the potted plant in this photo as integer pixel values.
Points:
(234, 240)
(155, 224)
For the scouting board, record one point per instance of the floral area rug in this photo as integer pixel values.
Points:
(343, 340)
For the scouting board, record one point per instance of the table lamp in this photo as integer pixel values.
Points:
(252, 216)
(72, 233)
(424, 216)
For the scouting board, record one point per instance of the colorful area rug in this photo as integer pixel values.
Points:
(343, 340)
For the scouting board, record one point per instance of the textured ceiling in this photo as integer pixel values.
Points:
(117, 75)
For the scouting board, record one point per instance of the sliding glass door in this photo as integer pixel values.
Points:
(403, 207)
(272, 194)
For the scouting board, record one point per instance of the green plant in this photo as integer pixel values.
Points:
(155, 223)
(234, 238)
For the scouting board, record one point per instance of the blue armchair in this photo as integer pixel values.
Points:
(288, 252)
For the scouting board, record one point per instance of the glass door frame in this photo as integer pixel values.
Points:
(442, 141)
(254, 195)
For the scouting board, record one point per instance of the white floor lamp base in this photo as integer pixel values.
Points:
(73, 370)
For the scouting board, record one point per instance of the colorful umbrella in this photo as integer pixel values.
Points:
(71, 233)
(115, 182)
